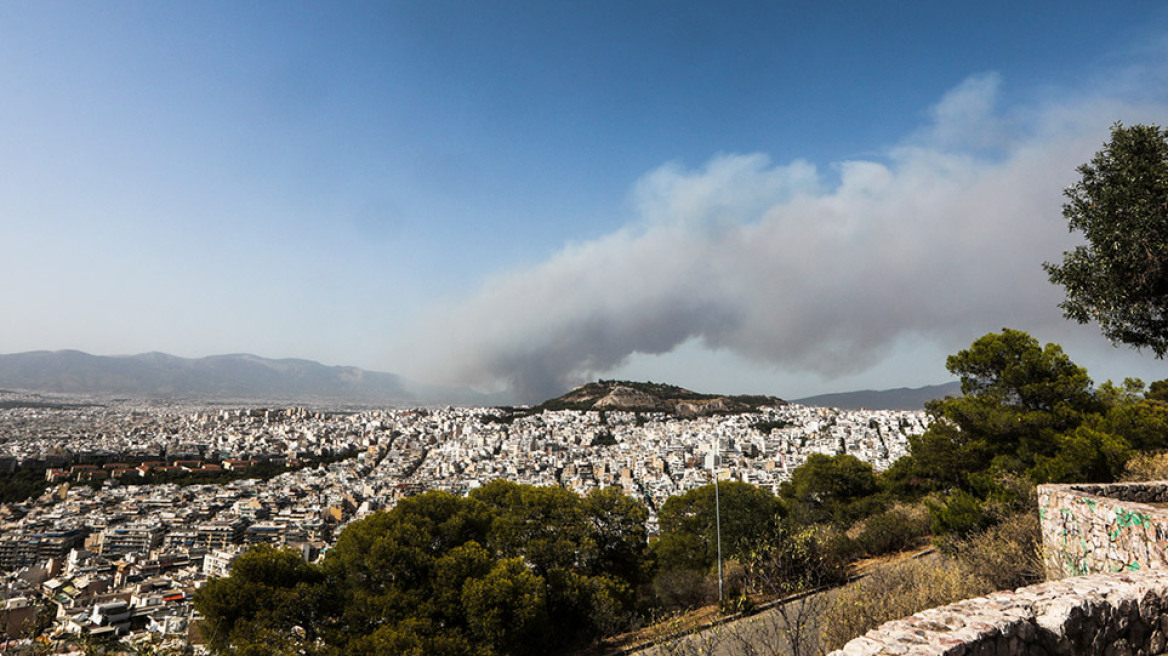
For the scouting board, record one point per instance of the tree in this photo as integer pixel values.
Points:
(839, 488)
(1120, 204)
(1017, 419)
(546, 526)
(1017, 396)
(688, 532)
(1158, 391)
(618, 534)
(483, 575)
(507, 608)
(270, 591)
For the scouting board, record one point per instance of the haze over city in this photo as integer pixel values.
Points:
(780, 198)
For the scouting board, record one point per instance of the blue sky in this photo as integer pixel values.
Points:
(785, 198)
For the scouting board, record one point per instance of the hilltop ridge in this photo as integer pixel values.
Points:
(631, 396)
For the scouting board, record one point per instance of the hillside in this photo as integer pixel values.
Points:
(631, 396)
(220, 377)
(902, 398)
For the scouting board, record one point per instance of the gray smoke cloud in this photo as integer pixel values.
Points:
(947, 230)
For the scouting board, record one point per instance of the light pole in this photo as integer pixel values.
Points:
(718, 518)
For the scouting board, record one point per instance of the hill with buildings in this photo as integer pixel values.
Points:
(629, 396)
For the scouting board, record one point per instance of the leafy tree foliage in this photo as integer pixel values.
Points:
(838, 488)
(270, 591)
(485, 575)
(1017, 397)
(688, 531)
(1030, 415)
(618, 535)
(22, 484)
(507, 608)
(1120, 204)
(1158, 391)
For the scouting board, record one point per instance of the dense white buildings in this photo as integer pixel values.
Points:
(87, 549)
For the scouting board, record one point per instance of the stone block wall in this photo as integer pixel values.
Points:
(1106, 553)
(1089, 528)
(1124, 614)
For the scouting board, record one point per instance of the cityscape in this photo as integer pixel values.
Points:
(102, 552)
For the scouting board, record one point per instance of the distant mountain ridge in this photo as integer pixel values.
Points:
(226, 377)
(901, 398)
(245, 377)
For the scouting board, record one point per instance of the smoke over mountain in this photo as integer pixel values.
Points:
(801, 268)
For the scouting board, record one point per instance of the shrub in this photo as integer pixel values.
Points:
(681, 588)
(795, 559)
(896, 529)
(1146, 467)
(960, 513)
(893, 592)
(1005, 556)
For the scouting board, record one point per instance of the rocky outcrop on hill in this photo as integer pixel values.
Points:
(624, 398)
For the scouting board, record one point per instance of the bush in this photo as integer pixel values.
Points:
(896, 591)
(794, 559)
(960, 514)
(1005, 556)
(681, 588)
(1146, 467)
(896, 529)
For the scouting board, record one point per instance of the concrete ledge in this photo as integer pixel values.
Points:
(1117, 614)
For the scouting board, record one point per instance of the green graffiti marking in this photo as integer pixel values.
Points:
(1133, 566)
(1127, 518)
(1091, 503)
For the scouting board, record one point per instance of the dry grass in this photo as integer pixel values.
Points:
(896, 591)
(1146, 467)
(1005, 556)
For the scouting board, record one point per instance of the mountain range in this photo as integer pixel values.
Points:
(244, 377)
(901, 398)
(237, 377)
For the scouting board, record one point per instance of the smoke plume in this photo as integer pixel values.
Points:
(801, 268)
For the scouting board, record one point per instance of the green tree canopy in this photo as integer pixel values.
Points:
(1120, 204)
(269, 592)
(839, 488)
(687, 521)
(484, 575)
(546, 526)
(1017, 396)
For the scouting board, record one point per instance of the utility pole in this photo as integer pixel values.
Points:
(718, 516)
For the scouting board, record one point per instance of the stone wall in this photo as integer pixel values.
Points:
(1088, 528)
(1123, 614)
(1108, 546)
